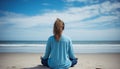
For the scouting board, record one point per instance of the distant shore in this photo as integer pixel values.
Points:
(85, 61)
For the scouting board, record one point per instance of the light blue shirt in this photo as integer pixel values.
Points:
(59, 52)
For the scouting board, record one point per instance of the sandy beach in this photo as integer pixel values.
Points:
(85, 61)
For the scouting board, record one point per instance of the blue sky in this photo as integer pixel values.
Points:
(85, 20)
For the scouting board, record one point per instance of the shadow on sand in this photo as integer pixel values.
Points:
(37, 67)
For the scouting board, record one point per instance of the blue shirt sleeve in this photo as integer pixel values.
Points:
(47, 51)
(70, 51)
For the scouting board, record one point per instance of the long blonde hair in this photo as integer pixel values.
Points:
(58, 28)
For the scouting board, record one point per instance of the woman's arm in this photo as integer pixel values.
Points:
(47, 51)
(71, 53)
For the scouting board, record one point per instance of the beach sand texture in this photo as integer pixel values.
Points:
(85, 61)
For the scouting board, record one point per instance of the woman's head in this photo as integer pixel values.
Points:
(58, 27)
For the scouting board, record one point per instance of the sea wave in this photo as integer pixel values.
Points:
(78, 48)
(22, 44)
(76, 45)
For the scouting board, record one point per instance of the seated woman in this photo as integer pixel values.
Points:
(59, 51)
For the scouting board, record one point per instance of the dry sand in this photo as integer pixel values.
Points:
(85, 61)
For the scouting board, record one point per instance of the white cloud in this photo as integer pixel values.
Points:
(11, 14)
(26, 21)
(77, 0)
(78, 22)
(108, 34)
(103, 19)
(108, 7)
(72, 16)
(85, 1)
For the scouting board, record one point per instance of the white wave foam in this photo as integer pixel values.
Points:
(74, 45)
(22, 44)
(78, 48)
(96, 46)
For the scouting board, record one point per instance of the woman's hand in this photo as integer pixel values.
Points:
(41, 57)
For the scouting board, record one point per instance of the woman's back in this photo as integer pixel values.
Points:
(59, 55)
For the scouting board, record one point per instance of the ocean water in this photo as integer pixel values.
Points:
(78, 46)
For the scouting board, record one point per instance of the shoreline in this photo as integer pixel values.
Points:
(78, 48)
(85, 61)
